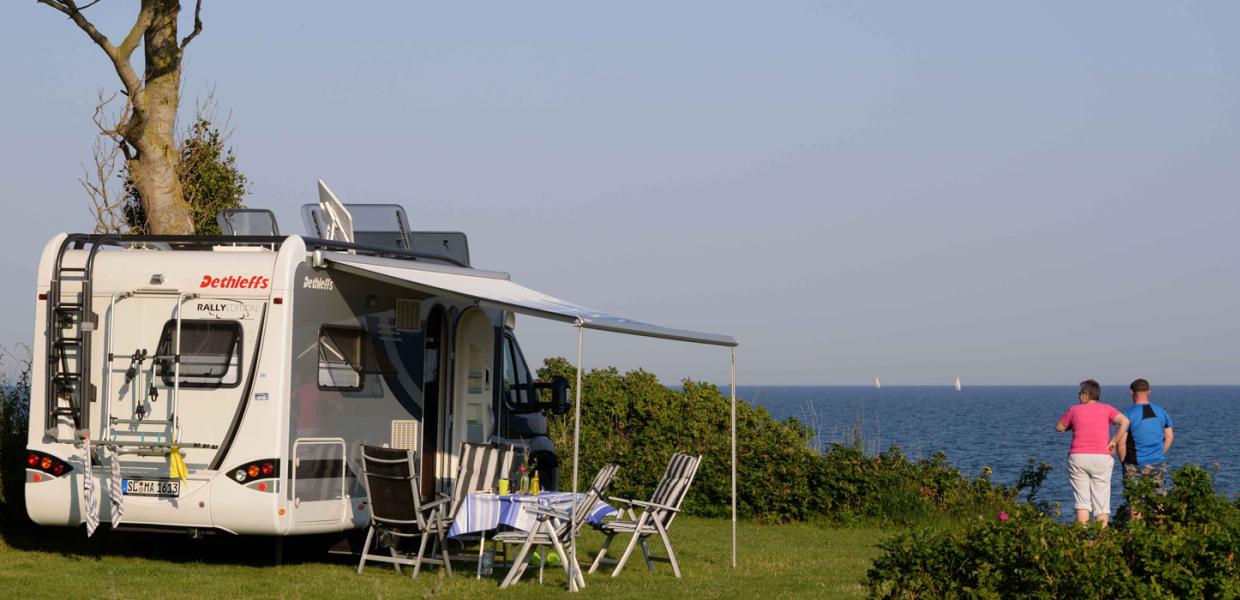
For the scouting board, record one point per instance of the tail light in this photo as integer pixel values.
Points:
(256, 470)
(41, 461)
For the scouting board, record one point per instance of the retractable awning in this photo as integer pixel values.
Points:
(496, 289)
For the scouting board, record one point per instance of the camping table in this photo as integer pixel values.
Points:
(482, 512)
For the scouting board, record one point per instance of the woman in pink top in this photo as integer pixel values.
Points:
(1090, 463)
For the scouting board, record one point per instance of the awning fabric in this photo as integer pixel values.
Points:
(496, 289)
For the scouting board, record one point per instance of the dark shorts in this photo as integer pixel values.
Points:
(1156, 471)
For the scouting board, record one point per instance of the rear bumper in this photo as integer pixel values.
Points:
(61, 501)
(205, 503)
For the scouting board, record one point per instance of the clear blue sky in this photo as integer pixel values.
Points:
(1032, 193)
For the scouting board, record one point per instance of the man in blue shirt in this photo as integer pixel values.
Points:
(1150, 434)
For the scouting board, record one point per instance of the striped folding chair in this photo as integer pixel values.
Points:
(555, 528)
(656, 515)
(481, 467)
(397, 515)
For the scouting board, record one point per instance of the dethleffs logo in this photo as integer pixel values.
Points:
(318, 283)
(235, 282)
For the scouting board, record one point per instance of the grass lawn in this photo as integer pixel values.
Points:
(776, 561)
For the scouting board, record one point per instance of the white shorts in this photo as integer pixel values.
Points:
(1090, 475)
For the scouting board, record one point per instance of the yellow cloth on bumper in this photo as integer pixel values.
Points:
(176, 464)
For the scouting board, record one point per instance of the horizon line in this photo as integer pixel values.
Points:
(952, 385)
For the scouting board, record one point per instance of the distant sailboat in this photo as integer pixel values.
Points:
(957, 384)
(877, 384)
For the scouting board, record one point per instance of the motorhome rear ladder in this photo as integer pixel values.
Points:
(70, 323)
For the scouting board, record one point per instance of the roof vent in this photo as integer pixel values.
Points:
(247, 221)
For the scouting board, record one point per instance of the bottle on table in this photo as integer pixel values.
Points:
(534, 484)
(525, 480)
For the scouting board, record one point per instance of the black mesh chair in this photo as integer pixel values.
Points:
(397, 515)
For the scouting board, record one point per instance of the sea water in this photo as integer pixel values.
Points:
(1002, 427)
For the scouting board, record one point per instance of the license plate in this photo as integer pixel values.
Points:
(169, 488)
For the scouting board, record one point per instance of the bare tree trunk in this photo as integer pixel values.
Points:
(148, 132)
(154, 167)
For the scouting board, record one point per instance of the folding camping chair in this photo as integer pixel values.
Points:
(555, 528)
(656, 515)
(481, 467)
(396, 511)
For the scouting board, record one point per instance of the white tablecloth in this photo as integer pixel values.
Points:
(484, 512)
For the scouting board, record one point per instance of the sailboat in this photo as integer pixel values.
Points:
(957, 384)
(877, 384)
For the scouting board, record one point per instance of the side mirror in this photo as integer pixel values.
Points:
(559, 395)
(559, 403)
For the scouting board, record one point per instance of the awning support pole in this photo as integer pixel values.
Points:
(572, 542)
(733, 456)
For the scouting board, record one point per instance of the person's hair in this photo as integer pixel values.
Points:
(1140, 385)
(1090, 388)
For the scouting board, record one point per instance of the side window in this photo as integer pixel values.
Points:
(523, 373)
(516, 375)
(510, 379)
(346, 356)
(210, 354)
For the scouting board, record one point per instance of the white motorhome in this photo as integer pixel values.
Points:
(265, 361)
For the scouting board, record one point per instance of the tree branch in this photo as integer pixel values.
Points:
(116, 129)
(197, 25)
(120, 60)
(131, 41)
(107, 205)
(69, 7)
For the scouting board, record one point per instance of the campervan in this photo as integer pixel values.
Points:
(226, 383)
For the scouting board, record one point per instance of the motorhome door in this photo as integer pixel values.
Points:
(473, 378)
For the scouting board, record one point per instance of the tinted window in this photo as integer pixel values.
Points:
(516, 375)
(210, 353)
(523, 372)
(510, 379)
(346, 356)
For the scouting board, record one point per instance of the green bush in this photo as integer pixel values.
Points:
(14, 420)
(211, 181)
(890, 487)
(1183, 548)
(637, 422)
